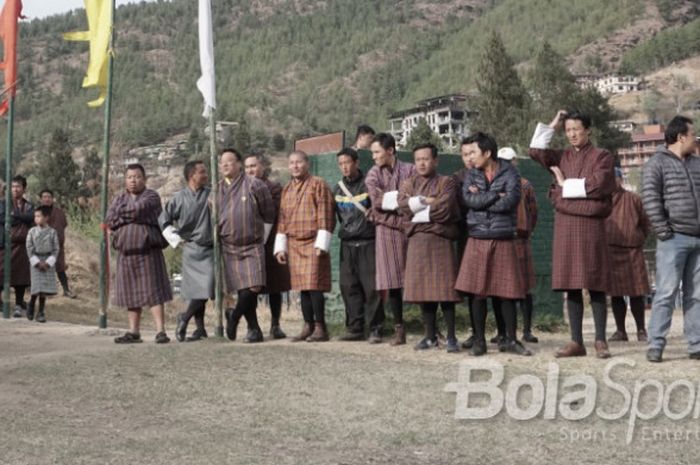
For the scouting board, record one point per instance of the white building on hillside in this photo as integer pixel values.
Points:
(446, 115)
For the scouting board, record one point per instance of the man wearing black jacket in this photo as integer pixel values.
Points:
(357, 261)
(670, 188)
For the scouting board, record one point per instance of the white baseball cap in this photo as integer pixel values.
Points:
(507, 153)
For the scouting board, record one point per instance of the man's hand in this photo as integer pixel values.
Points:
(43, 266)
(429, 200)
(281, 258)
(473, 189)
(558, 121)
(558, 175)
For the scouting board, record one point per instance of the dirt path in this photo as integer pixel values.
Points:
(71, 396)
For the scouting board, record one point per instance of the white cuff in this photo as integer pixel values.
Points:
(542, 137)
(267, 229)
(323, 240)
(170, 234)
(390, 201)
(51, 261)
(280, 244)
(416, 203)
(422, 216)
(33, 260)
(574, 189)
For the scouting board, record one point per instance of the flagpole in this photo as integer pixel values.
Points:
(104, 188)
(8, 209)
(218, 295)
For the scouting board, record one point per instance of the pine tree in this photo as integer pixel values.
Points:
(423, 134)
(58, 171)
(502, 102)
(551, 85)
(92, 173)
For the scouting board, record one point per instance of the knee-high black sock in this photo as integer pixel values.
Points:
(498, 313)
(574, 305)
(19, 294)
(479, 315)
(192, 308)
(600, 314)
(510, 318)
(249, 304)
(63, 279)
(275, 301)
(526, 306)
(470, 304)
(619, 308)
(42, 303)
(318, 301)
(448, 312)
(429, 311)
(199, 315)
(307, 308)
(637, 306)
(396, 304)
(32, 300)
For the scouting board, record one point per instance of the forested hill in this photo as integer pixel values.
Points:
(290, 67)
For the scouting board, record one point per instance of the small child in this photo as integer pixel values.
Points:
(42, 249)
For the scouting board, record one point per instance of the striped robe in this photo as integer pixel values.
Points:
(580, 251)
(627, 228)
(527, 220)
(22, 221)
(307, 206)
(141, 279)
(245, 206)
(58, 221)
(391, 242)
(43, 246)
(277, 274)
(431, 260)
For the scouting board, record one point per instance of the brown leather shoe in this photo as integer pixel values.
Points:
(305, 332)
(601, 349)
(399, 336)
(571, 349)
(320, 334)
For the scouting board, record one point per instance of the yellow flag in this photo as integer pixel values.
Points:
(99, 15)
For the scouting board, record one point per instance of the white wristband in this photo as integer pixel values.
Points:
(542, 137)
(574, 189)
(170, 234)
(422, 216)
(390, 201)
(416, 203)
(33, 260)
(51, 261)
(280, 244)
(323, 240)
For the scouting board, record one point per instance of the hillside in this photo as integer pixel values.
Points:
(293, 67)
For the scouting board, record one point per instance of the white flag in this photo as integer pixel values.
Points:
(206, 83)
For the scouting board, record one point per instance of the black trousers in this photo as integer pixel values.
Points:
(357, 286)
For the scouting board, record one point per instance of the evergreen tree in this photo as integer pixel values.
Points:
(502, 102)
(57, 170)
(551, 85)
(241, 138)
(422, 134)
(92, 173)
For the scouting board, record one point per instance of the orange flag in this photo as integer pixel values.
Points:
(11, 12)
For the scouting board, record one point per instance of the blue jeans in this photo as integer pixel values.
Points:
(677, 260)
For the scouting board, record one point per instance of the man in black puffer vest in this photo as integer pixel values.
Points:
(357, 254)
(671, 197)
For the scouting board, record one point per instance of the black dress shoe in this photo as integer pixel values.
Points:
(30, 312)
(655, 355)
(498, 339)
(529, 337)
(181, 329)
(232, 320)
(515, 347)
(352, 336)
(162, 338)
(276, 332)
(478, 348)
(40, 317)
(197, 334)
(452, 345)
(375, 336)
(254, 335)
(427, 343)
(469, 342)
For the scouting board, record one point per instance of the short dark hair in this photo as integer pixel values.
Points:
(577, 115)
(387, 141)
(363, 130)
(237, 154)
(134, 167)
(19, 179)
(484, 141)
(44, 210)
(301, 153)
(190, 166)
(433, 149)
(46, 191)
(352, 153)
(677, 126)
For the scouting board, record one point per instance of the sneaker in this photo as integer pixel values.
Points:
(452, 345)
(18, 312)
(427, 343)
(128, 338)
(41, 318)
(375, 336)
(655, 355)
(162, 338)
